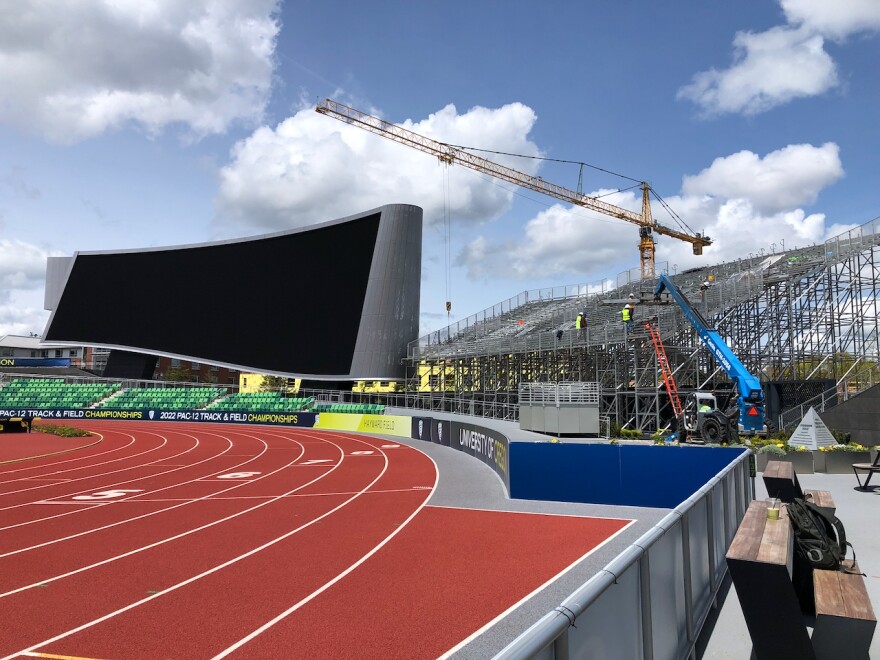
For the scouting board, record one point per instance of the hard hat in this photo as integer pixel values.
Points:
(632, 295)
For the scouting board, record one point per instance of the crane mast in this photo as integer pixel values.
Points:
(451, 155)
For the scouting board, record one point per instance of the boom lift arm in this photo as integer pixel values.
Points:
(452, 155)
(750, 395)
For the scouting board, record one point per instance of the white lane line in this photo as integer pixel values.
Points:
(513, 607)
(67, 503)
(160, 542)
(188, 581)
(39, 520)
(92, 476)
(69, 460)
(131, 499)
(293, 608)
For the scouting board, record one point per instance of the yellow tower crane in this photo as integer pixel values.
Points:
(451, 155)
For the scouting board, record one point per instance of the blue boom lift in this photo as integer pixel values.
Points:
(747, 416)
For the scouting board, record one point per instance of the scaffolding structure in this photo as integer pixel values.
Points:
(802, 315)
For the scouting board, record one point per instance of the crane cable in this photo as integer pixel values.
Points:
(552, 160)
(582, 165)
(447, 238)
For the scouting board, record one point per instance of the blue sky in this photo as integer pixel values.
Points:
(146, 123)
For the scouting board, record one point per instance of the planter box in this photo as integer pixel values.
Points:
(802, 461)
(840, 462)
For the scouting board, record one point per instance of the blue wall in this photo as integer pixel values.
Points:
(633, 475)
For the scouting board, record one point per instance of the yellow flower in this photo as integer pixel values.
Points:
(779, 444)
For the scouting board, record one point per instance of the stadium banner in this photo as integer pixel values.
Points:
(421, 428)
(306, 419)
(441, 432)
(489, 445)
(385, 424)
(34, 362)
(433, 430)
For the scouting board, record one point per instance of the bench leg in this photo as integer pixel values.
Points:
(837, 638)
(863, 486)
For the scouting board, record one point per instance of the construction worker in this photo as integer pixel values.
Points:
(580, 323)
(627, 314)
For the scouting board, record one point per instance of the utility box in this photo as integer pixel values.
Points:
(559, 408)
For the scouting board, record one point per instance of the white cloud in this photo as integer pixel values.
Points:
(784, 63)
(22, 266)
(21, 317)
(311, 168)
(783, 179)
(22, 276)
(742, 202)
(770, 68)
(835, 20)
(737, 228)
(561, 240)
(81, 68)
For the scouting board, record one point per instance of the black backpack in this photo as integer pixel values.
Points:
(819, 536)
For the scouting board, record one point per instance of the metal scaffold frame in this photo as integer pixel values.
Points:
(800, 314)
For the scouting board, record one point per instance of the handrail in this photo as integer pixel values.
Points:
(553, 628)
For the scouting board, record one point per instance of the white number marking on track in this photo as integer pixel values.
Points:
(108, 494)
(239, 475)
(362, 453)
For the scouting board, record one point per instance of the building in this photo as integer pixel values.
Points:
(194, 372)
(30, 351)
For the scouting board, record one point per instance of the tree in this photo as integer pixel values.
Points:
(177, 374)
(273, 383)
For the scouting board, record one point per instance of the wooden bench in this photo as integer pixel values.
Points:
(845, 619)
(782, 483)
(760, 560)
(870, 468)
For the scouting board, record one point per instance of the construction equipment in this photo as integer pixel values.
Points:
(748, 410)
(452, 155)
(665, 370)
(700, 419)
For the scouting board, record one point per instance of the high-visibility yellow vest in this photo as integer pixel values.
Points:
(579, 322)
(625, 314)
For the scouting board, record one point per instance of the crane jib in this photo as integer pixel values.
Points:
(451, 155)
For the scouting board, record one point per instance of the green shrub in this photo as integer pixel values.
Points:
(840, 437)
(772, 450)
(63, 431)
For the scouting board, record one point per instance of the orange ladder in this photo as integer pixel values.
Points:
(668, 378)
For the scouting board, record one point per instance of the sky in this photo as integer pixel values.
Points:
(143, 123)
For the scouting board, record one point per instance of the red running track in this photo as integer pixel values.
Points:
(210, 541)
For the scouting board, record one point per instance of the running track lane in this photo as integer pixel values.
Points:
(444, 576)
(70, 602)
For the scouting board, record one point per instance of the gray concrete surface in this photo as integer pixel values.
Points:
(468, 483)
(860, 513)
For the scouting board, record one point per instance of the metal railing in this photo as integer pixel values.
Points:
(840, 392)
(556, 393)
(653, 599)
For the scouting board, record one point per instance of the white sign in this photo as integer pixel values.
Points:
(812, 433)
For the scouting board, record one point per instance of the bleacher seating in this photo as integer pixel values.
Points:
(53, 393)
(359, 408)
(166, 398)
(262, 402)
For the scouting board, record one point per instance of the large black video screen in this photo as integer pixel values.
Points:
(288, 303)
